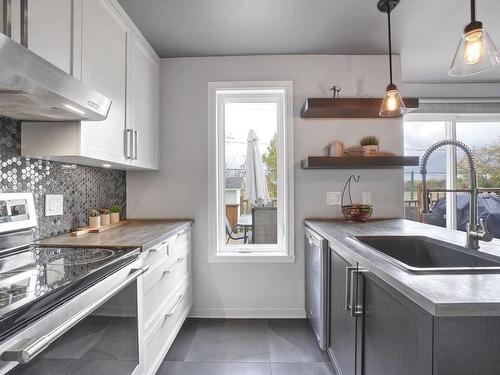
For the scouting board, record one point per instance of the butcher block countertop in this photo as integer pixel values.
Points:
(141, 233)
(461, 294)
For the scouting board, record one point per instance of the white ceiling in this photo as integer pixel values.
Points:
(425, 32)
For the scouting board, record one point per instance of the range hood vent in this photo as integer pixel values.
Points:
(32, 89)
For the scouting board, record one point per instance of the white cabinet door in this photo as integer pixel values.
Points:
(50, 25)
(104, 38)
(144, 77)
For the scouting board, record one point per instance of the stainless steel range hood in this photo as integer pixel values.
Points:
(32, 89)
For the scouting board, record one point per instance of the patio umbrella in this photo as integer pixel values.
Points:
(255, 176)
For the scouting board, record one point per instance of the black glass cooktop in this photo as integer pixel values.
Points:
(37, 279)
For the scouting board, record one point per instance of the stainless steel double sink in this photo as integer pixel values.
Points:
(422, 254)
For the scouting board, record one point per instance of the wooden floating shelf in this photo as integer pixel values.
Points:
(359, 162)
(348, 107)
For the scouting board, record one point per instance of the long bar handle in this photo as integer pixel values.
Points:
(29, 349)
(348, 287)
(355, 291)
(128, 143)
(136, 143)
(24, 23)
(7, 18)
(176, 305)
(172, 267)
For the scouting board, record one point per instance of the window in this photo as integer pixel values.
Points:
(250, 171)
(448, 168)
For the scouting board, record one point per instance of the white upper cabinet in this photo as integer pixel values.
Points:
(105, 36)
(96, 42)
(143, 104)
(50, 30)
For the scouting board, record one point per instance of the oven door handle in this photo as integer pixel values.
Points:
(28, 349)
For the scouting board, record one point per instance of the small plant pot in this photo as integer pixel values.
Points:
(370, 150)
(105, 219)
(95, 221)
(115, 217)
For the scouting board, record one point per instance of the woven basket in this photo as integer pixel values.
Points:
(355, 211)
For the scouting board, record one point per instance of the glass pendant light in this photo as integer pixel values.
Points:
(392, 105)
(476, 52)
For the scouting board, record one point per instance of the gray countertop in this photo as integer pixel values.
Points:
(141, 233)
(439, 294)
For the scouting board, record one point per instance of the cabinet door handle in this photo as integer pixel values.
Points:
(348, 287)
(172, 267)
(136, 143)
(7, 18)
(172, 310)
(356, 291)
(24, 23)
(128, 143)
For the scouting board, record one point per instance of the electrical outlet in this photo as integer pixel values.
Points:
(367, 197)
(53, 204)
(333, 198)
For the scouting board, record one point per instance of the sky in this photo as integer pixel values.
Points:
(240, 118)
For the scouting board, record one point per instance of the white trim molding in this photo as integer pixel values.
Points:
(220, 93)
(240, 313)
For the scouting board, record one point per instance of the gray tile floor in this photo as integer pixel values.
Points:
(246, 347)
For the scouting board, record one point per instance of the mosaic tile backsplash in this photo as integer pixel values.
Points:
(83, 187)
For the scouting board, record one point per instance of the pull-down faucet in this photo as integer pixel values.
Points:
(476, 230)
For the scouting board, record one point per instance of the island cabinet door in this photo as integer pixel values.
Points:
(467, 345)
(342, 338)
(397, 333)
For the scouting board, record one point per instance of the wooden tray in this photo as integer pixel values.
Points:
(85, 230)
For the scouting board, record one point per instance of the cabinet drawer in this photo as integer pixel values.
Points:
(158, 252)
(165, 325)
(161, 281)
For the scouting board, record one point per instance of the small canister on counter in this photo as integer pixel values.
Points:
(336, 148)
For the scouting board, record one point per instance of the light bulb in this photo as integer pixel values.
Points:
(474, 47)
(392, 102)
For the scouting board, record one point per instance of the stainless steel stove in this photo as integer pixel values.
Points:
(49, 296)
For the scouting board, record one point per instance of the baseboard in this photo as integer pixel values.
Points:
(248, 313)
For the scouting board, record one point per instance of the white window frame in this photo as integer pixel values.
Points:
(220, 93)
(450, 121)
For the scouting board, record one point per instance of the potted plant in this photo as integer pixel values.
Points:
(94, 219)
(115, 214)
(369, 144)
(105, 216)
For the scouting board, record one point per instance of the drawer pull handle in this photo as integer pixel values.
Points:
(172, 267)
(153, 250)
(182, 232)
(172, 310)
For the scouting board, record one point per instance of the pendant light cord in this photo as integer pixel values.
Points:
(473, 10)
(390, 43)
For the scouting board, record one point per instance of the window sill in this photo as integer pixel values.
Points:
(251, 258)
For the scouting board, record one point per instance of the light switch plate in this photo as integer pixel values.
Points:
(333, 198)
(367, 197)
(53, 204)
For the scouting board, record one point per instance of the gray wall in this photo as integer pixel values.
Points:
(83, 187)
(180, 188)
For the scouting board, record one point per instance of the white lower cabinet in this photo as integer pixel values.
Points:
(166, 296)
